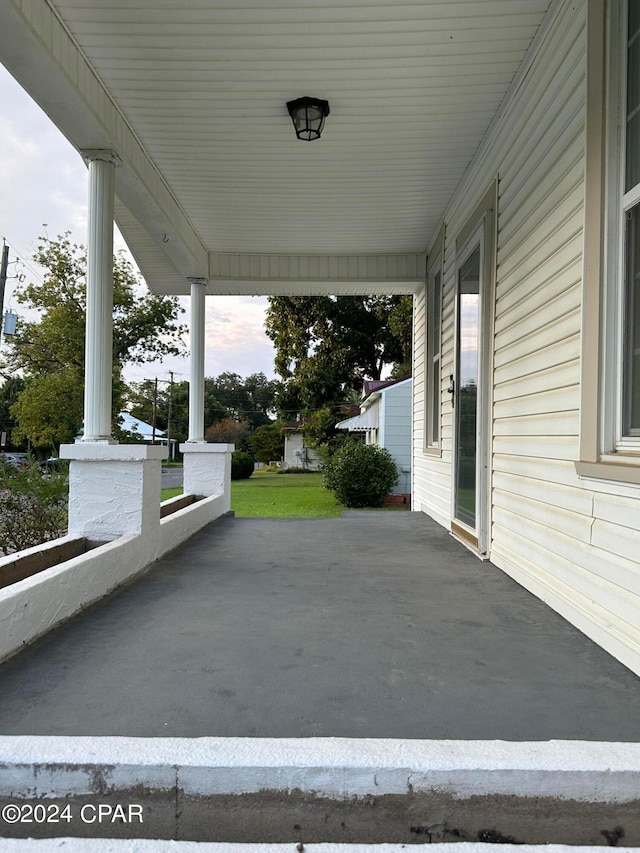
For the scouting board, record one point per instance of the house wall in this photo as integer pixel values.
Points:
(372, 436)
(397, 431)
(574, 547)
(293, 443)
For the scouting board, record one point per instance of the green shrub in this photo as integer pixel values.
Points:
(242, 465)
(294, 470)
(360, 474)
(33, 506)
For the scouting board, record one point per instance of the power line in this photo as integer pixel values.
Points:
(21, 256)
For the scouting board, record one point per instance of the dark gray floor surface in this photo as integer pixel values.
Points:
(371, 625)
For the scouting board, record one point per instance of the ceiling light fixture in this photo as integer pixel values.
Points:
(308, 115)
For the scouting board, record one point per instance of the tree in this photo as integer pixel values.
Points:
(225, 396)
(250, 399)
(9, 392)
(230, 431)
(145, 328)
(175, 397)
(320, 432)
(261, 392)
(327, 345)
(267, 442)
(401, 327)
(49, 410)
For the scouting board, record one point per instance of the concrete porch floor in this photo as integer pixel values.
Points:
(371, 625)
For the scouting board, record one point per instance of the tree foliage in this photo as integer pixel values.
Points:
(172, 401)
(320, 432)
(267, 442)
(49, 410)
(327, 345)
(49, 351)
(9, 393)
(228, 395)
(230, 431)
(250, 399)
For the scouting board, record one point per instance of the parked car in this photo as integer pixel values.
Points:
(54, 466)
(16, 460)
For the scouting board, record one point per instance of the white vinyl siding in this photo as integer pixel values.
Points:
(297, 455)
(576, 548)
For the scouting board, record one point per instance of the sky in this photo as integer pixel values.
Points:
(44, 180)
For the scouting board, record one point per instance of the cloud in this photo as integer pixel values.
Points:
(44, 178)
(234, 335)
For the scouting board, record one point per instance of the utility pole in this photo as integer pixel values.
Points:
(155, 410)
(3, 275)
(155, 406)
(169, 415)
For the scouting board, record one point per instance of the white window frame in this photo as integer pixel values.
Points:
(606, 457)
(435, 263)
(618, 203)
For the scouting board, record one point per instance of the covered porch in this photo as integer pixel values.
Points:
(366, 628)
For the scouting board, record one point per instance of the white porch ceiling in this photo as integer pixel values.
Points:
(213, 184)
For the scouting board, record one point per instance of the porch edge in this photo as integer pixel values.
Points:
(584, 771)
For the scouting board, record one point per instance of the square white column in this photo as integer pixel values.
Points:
(114, 490)
(207, 470)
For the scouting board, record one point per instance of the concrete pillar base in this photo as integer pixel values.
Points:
(114, 490)
(207, 469)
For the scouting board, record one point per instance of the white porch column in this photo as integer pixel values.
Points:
(206, 467)
(196, 373)
(99, 324)
(114, 490)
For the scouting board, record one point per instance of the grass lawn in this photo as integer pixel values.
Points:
(165, 494)
(272, 495)
(283, 496)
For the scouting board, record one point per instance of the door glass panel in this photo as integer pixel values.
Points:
(466, 402)
(631, 365)
(433, 360)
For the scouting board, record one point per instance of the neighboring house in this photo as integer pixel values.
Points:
(296, 452)
(141, 429)
(145, 431)
(385, 420)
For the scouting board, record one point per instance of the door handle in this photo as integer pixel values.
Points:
(452, 388)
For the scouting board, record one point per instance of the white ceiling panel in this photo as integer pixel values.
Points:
(202, 86)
